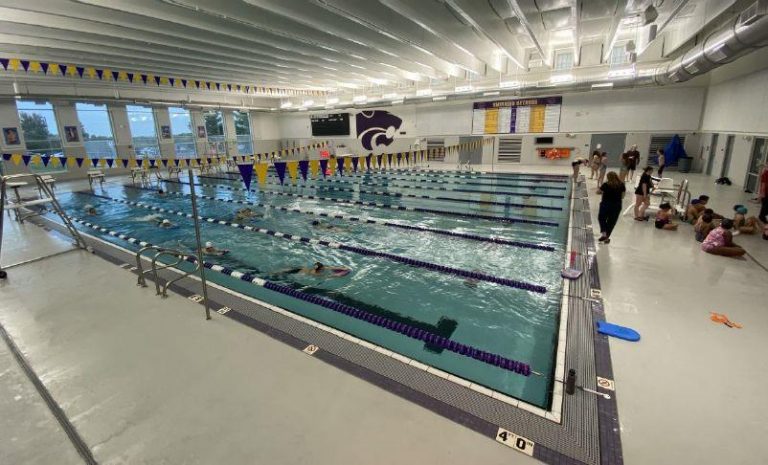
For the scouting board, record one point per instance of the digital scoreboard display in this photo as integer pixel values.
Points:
(331, 124)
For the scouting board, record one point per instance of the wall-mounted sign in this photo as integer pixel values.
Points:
(70, 133)
(11, 136)
(165, 131)
(376, 128)
(201, 132)
(554, 153)
(331, 124)
(527, 115)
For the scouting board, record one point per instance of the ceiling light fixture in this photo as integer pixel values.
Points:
(359, 98)
(561, 78)
(509, 84)
(331, 100)
(489, 94)
(439, 98)
(423, 92)
(286, 105)
(466, 88)
(602, 85)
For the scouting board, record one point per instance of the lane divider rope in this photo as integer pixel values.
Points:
(556, 178)
(348, 248)
(445, 343)
(424, 197)
(379, 205)
(474, 237)
(407, 186)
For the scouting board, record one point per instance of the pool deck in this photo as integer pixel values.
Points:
(143, 383)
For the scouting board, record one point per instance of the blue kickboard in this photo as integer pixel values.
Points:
(621, 332)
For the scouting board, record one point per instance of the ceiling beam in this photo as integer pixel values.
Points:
(529, 30)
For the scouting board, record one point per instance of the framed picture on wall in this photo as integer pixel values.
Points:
(11, 136)
(70, 133)
(201, 132)
(165, 131)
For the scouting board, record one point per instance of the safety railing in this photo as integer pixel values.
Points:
(179, 257)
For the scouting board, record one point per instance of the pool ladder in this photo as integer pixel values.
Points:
(46, 196)
(179, 257)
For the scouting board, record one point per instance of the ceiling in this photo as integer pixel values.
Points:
(341, 45)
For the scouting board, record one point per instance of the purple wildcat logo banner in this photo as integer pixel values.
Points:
(376, 128)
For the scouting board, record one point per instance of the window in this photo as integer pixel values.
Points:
(38, 124)
(563, 60)
(243, 133)
(141, 120)
(96, 130)
(618, 55)
(181, 130)
(214, 129)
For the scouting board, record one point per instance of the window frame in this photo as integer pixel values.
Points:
(243, 139)
(113, 153)
(182, 139)
(155, 131)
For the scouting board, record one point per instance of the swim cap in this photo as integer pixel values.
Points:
(695, 202)
(209, 244)
(166, 221)
(742, 210)
(315, 223)
(88, 206)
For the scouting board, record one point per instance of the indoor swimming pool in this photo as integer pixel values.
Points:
(474, 260)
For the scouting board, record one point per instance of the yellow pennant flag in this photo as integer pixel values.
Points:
(34, 67)
(102, 162)
(53, 69)
(182, 163)
(293, 169)
(36, 161)
(14, 64)
(132, 162)
(90, 72)
(16, 158)
(261, 173)
(71, 162)
(314, 167)
(331, 167)
(71, 70)
(347, 164)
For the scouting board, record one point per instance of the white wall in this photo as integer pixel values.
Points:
(737, 107)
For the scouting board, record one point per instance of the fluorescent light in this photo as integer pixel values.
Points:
(359, 98)
(378, 81)
(508, 84)
(286, 105)
(602, 85)
(412, 76)
(626, 72)
(391, 95)
(466, 88)
(307, 103)
(302, 109)
(488, 94)
(438, 98)
(331, 100)
(423, 92)
(397, 102)
(561, 78)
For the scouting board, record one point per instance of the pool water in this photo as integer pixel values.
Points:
(511, 322)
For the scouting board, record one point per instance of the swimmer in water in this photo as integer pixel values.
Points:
(319, 269)
(246, 213)
(327, 226)
(472, 282)
(165, 223)
(160, 192)
(91, 210)
(209, 249)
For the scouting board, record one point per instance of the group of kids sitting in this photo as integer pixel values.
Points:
(714, 231)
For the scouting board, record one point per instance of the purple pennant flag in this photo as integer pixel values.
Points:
(389, 159)
(26, 159)
(94, 162)
(4, 62)
(45, 160)
(144, 78)
(80, 70)
(7, 156)
(79, 162)
(130, 76)
(110, 162)
(246, 172)
(323, 166)
(62, 160)
(355, 161)
(157, 80)
(176, 161)
(340, 166)
(63, 69)
(304, 168)
(44, 67)
(380, 159)
(124, 161)
(172, 81)
(368, 162)
(399, 157)
(152, 163)
(25, 64)
(115, 74)
(280, 168)
(99, 73)
(164, 161)
(184, 83)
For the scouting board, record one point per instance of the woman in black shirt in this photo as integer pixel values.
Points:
(643, 194)
(613, 191)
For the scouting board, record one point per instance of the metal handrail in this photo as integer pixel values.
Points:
(159, 252)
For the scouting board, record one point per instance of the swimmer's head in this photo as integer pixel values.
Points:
(88, 206)
(707, 218)
(318, 266)
(695, 202)
(726, 224)
(160, 191)
(741, 210)
(166, 221)
(208, 245)
(315, 223)
(703, 199)
(665, 206)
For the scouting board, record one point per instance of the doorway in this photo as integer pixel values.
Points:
(612, 144)
(712, 152)
(727, 158)
(759, 157)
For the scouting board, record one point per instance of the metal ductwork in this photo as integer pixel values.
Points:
(740, 36)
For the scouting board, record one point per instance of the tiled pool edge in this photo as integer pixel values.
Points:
(464, 408)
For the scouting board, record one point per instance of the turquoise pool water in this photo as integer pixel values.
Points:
(511, 322)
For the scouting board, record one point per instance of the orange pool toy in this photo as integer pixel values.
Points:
(721, 318)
